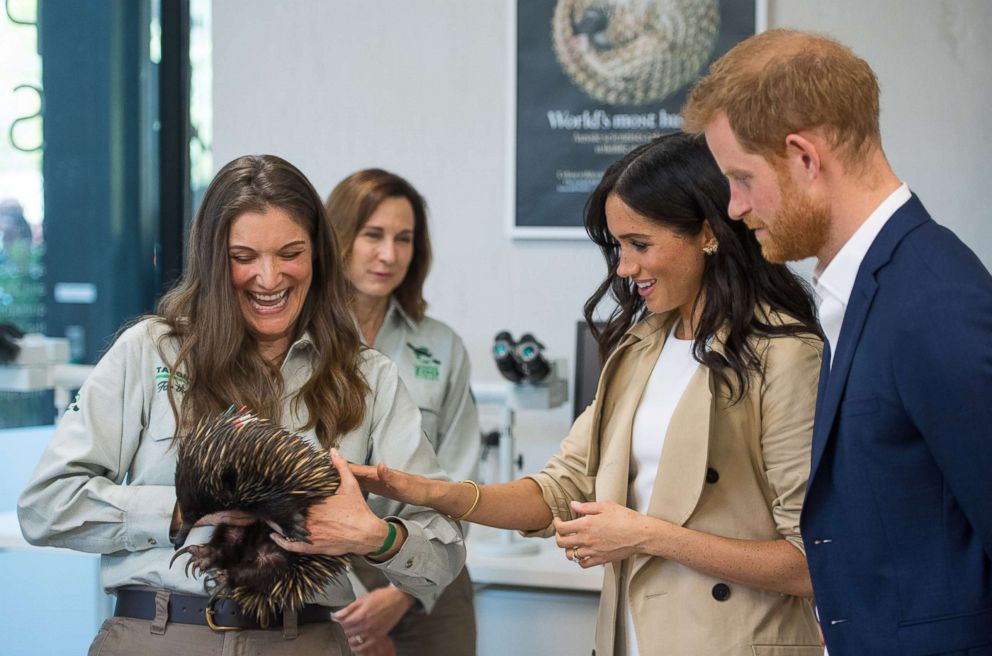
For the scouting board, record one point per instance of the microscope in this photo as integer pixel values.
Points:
(532, 383)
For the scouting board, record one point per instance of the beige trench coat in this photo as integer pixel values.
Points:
(737, 471)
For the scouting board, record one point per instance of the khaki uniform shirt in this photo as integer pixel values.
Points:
(433, 365)
(105, 482)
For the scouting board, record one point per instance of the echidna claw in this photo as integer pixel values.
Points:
(275, 527)
(181, 552)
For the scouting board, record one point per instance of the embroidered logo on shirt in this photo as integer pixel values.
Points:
(162, 380)
(425, 365)
(74, 405)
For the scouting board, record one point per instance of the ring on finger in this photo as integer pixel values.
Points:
(575, 554)
(359, 640)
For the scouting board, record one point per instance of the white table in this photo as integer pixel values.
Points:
(546, 569)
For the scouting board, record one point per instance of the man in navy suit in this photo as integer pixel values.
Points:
(898, 513)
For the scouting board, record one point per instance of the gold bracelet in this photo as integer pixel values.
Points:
(478, 495)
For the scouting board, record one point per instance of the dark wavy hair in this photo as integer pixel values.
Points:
(675, 182)
(355, 199)
(217, 354)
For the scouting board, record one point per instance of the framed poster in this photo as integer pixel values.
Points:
(595, 78)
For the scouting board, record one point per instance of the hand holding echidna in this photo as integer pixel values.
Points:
(252, 477)
(343, 523)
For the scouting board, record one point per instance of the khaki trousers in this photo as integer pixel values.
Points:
(448, 629)
(125, 636)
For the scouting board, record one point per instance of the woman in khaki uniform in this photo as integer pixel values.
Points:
(686, 475)
(259, 319)
(381, 224)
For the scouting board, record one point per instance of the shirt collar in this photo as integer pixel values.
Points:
(397, 313)
(837, 278)
(304, 341)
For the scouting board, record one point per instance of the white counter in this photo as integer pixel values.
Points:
(546, 569)
(10, 532)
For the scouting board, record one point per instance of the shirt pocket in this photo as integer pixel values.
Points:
(161, 422)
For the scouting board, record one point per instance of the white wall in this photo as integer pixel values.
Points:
(419, 87)
(933, 59)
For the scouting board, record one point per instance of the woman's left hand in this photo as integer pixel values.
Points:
(375, 613)
(372, 645)
(606, 532)
(342, 523)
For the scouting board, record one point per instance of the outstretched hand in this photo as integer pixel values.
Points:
(393, 483)
(342, 523)
(606, 532)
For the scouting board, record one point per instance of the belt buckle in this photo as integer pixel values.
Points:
(209, 613)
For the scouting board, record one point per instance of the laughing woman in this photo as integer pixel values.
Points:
(259, 319)
(686, 475)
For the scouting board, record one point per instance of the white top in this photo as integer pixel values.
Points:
(833, 284)
(664, 390)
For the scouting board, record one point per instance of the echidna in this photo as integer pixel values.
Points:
(239, 461)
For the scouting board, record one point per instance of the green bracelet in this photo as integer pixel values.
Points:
(390, 539)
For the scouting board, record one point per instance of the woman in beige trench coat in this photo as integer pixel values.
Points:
(694, 510)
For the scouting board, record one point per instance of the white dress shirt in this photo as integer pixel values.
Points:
(834, 283)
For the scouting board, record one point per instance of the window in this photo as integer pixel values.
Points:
(96, 156)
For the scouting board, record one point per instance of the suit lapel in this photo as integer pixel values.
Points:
(836, 374)
(833, 377)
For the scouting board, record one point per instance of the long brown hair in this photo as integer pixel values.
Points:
(355, 199)
(217, 355)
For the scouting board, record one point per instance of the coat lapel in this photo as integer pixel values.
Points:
(625, 375)
(831, 389)
(682, 467)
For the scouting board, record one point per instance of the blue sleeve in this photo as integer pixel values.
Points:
(943, 373)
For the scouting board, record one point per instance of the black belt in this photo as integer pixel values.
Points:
(192, 609)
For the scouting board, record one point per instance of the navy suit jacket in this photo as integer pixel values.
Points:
(897, 521)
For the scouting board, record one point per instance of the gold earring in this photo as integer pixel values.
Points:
(711, 248)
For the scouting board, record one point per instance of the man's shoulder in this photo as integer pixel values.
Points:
(933, 255)
(914, 252)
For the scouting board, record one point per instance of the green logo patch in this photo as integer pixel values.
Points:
(426, 372)
(426, 366)
(162, 380)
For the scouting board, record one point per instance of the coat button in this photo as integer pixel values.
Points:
(721, 592)
(408, 564)
(712, 475)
